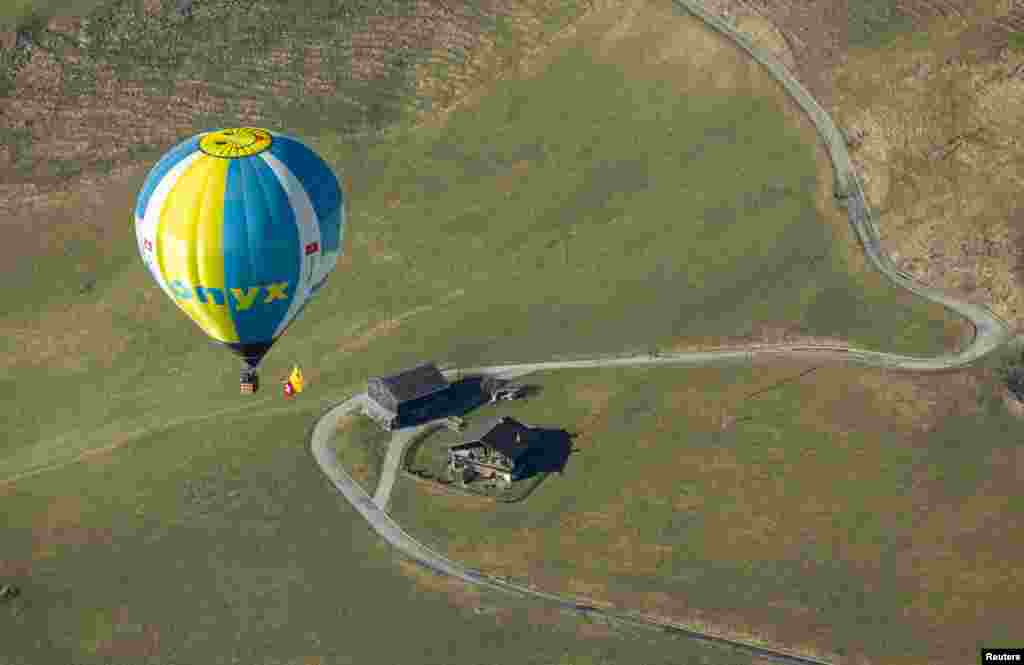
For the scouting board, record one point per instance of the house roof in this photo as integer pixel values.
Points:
(414, 383)
(506, 435)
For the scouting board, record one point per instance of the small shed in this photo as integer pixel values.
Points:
(495, 448)
(407, 397)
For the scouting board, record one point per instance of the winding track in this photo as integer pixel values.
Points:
(990, 333)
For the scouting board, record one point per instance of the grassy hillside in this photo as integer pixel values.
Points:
(110, 80)
(835, 509)
(657, 191)
(636, 186)
(222, 542)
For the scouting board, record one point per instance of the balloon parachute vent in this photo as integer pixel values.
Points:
(250, 382)
(236, 142)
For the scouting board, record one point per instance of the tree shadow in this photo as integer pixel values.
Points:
(549, 451)
(530, 390)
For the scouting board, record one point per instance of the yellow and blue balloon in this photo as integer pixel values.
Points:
(240, 227)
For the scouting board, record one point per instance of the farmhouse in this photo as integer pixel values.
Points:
(407, 397)
(494, 449)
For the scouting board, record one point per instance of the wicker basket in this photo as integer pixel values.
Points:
(249, 381)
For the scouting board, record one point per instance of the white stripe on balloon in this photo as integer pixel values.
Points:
(309, 232)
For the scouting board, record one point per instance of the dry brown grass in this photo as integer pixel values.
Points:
(770, 523)
(595, 395)
(131, 639)
(604, 519)
(513, 178)
(448, 500)
(967, 238)
(462, 84)
(61, 524)
(918, 401)
(361, 474)
(747, 626)
(360, 471)
(85, 329)
(509, 557)
(15, 569)
(590, 589)
(961, 550)
(93, 127)
(543, 615)
(461, 593)
(948, 204)
(346, 421)
(102, 125)
(79, 331)
(35, 220)
(590, 630)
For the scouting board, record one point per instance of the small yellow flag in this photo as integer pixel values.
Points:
(296, 379)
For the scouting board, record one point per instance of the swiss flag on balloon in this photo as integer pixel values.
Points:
(312, 247)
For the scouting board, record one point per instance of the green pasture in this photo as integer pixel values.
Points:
(361, 447)
(875, 23)
(618, 214)
(620, 217)
(1016, 41)
(794, 522)
(431, 452)
(22, 13)
(223, 542)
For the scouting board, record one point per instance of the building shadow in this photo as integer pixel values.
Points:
(530, 390)
(464, 396)
(549, 452)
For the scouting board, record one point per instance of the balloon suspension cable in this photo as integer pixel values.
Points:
(249, 380)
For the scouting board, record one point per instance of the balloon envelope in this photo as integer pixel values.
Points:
(240, 227)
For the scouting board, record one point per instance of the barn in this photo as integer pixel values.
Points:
(408, 397)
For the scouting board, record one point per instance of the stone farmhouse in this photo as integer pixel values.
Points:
(495, 449)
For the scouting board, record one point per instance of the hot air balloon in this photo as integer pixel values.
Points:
(240, 227)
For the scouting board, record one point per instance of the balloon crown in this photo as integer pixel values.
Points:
(235, 142)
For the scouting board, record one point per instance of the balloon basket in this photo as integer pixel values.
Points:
(249, 382)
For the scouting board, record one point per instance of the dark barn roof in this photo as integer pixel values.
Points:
(412, 384)
(500, 434)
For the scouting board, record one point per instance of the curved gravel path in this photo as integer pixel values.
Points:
(400, 438)
(990, 333)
